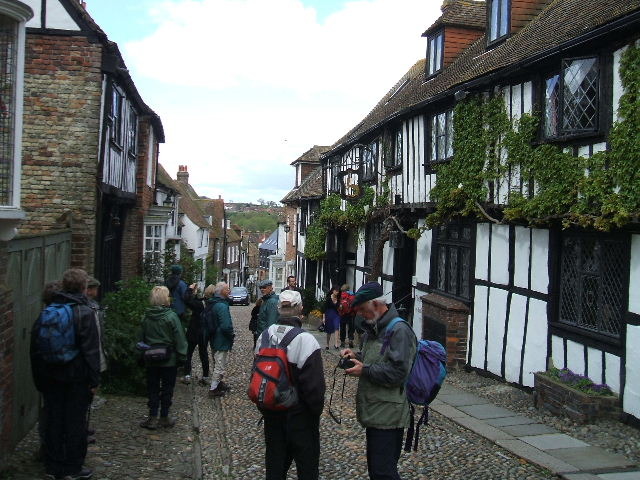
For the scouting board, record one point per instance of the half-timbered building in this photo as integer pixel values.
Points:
(463, 246)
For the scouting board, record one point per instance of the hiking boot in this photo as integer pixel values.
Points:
(205, 381)
(217, 392)
(186, 379)
(166, 422)
(150, 423)
(84, 474)
(224, 386)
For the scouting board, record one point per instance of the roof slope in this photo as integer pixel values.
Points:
(461, 13)
(187, 205)
(310, 188)
(271, 243)
(214, 208)
(560, 22)
(312, 155)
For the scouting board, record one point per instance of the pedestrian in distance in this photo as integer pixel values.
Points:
(221, 335)
(65, 353)
(331, 318)
(347, 323)
(293, 434)
(382, 369)
(161, 331)
(268, 313)
(177, 288)
(196, 335)
(253, 323)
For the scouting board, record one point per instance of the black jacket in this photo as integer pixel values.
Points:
(195, 329)
(85, 367)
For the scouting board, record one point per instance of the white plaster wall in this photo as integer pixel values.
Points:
(594, 365)
(58, 18)
(612, 370)
(387, 288)
(387, 259)
(497, 317)
(535, 354)
(500, 254)
(527, 96)
(361, 248)
(417, 313)
(359, 280)
(575, 357)
(479, 327)
(521, 260)
(631, 403)
(423, 255)
(617, 82)
(482, 251)
(515, 334)
(557, 351)
(540, 260)
(634, 278)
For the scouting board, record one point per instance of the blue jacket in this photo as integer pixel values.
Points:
(177, 288)
(219, 324)
(268, 314)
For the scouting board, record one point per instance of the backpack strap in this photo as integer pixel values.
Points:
(388, 333)
(289, 336)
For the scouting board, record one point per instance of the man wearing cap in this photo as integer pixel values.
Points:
(177, 288)
(294, 434)
(268, 314)
(382, 367)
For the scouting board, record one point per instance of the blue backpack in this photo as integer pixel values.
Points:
(425, 379)
(56, 334)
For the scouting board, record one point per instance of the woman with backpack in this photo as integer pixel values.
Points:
(163, 333)
(331, 319)
(196, 335)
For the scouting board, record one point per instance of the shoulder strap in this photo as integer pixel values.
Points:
(391, 324)
(289, 336)
(388, 333)
(264, 339)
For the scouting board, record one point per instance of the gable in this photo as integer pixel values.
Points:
(51, 14)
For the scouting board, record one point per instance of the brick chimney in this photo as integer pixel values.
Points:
(183, 174)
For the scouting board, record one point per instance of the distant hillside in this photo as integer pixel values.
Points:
(255, 221)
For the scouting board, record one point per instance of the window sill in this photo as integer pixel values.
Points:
(10, 219)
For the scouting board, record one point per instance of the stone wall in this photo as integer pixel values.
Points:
(133, 238)
(62, 97)
(6, 356)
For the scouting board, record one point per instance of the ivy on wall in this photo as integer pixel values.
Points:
(601, 192)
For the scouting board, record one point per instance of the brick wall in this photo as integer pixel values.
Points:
(62, 96)
(446, 321)
(306, 170)
(6, 356)
(133, 238)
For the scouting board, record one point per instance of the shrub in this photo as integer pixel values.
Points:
(124, 312)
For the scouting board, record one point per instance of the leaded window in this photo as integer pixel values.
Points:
(499, 14)
(370, 161)
(435, 53)
(372, 234)
(452, 258)
(116, 115)
(442, 136)
(153, 242)
(593, 281)
(571, 98)
(8, 47)
(396, 157)
(334, 186)
(132, 132)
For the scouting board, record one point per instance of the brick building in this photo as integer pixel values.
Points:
(90, 142)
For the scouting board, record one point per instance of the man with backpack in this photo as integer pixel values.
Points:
(347, 323)
(291, 395)
(65, 350)
(220, 329)
(383, 367)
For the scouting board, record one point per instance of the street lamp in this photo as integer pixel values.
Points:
(287, 228)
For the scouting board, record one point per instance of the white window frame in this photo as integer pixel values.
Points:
(435, 53)
(156, 235)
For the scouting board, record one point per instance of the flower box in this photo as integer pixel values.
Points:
(563, 399)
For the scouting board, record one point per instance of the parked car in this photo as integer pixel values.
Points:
(239, 296)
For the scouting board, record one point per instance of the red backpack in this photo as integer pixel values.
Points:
(271, 385)
(346, 299)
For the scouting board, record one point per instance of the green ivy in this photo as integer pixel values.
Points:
(600, 192)
(332, 216)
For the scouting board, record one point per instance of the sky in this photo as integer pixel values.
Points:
(244, 87)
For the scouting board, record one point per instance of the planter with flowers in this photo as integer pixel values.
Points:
(565, 393)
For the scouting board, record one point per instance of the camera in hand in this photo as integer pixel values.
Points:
(346, 363)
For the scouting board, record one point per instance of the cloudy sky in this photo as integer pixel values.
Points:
(244, 87)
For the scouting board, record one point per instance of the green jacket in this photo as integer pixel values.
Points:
(268, 314)
(381, 400)
(217, 314)
(161, 326)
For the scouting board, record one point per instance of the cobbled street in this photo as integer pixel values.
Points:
(233, 442)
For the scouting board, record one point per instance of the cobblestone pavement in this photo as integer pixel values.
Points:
(123, 450)
(233, 442)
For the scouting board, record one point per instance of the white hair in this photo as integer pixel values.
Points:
(219, 287)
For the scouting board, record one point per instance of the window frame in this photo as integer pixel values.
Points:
(392, 162)
(132, 132)
(116, 117)
(161, 238)
(460, 243)
(624, 240)
(499, 38)
(431, 41)
(448, 136)
(561, 133)
(334, 169)
(369, 174)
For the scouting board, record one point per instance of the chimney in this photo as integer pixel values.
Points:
(183, 174)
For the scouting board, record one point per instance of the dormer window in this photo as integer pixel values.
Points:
(499, 15)
(435, 53)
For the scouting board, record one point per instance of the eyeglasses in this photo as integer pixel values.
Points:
(266, 286)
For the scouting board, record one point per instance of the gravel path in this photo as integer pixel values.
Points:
(233, 442)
